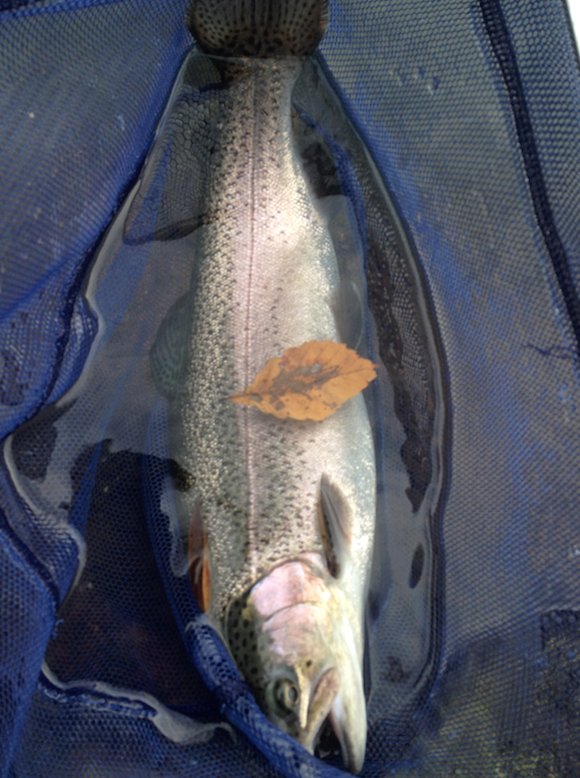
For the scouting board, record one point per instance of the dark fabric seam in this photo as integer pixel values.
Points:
(502, 47)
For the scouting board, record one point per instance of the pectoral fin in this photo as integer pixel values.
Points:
(335, 525)
(347, 306)
(198, 560)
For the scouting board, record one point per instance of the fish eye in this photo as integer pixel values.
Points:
(286, 694)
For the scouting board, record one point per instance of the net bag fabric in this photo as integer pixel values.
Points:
(469, 111)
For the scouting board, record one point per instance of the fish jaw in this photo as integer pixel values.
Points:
(339, 696)
(349, 722)
(308, 667)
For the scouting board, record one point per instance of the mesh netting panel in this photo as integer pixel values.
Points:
(27, 613)
(75, 128)
(469, 110)
(444, 115)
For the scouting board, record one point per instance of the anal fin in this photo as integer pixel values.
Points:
(335, 525)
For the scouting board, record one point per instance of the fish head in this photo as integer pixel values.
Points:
(297, 642)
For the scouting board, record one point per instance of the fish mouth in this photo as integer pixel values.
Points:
(326, 704)
(350, 735)
(321, 702)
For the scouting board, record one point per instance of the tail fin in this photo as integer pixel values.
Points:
(257, 28)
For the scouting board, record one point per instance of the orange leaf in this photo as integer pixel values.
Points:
(308, 382)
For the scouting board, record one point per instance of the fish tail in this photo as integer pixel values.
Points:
(257, 28)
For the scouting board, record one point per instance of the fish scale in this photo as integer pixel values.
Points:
(250, 302)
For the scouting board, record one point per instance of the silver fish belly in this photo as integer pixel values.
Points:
(264, 278)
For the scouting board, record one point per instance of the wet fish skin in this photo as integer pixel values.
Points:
(264, 279)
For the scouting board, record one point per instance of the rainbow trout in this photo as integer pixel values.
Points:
(280, 513)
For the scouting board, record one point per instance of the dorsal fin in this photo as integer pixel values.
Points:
(170, 202)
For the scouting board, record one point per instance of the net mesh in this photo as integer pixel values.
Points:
(469, 111)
